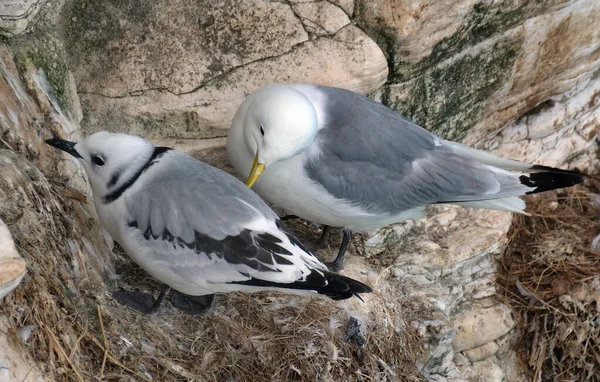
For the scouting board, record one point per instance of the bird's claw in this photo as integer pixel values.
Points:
(193, 305)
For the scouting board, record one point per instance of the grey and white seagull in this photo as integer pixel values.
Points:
(194, 227)
(335, 157)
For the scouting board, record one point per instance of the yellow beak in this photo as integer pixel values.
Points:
(255, 172)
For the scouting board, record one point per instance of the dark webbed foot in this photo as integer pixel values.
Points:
(289, 217)
(142, 302)
(338, 263)
(193, 304)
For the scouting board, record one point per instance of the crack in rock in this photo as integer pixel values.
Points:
(209, 82)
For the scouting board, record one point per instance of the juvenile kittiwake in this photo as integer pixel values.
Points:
(194, 227)
(335, 157)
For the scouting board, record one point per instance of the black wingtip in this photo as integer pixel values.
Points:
(540, 168)
(546, 178)
(342, 287)
(332, 285)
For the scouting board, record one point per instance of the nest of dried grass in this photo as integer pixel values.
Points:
(550, 274)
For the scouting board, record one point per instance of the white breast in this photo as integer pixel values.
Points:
(287, 185)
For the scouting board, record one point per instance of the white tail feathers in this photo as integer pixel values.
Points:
(511, 204)
(487, 158)
(530, 179)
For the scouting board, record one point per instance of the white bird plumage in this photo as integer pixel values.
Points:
(194, 227)
(340, 159)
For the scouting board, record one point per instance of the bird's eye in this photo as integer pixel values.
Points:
(97, 160)
(262, 131)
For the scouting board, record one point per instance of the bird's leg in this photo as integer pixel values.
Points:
(193, 304)
(324, 239)
(142, 302)
(338, 263)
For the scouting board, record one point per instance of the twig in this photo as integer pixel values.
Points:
(78, 341)
(107, 355)
(60, 349)
(103, 339)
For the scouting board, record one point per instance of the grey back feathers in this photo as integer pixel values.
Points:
(190, 195)
(190, 205)
(377, 158)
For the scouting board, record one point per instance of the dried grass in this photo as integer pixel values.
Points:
(551, 277)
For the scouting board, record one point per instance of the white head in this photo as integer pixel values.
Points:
(279, 123)
(110, 160)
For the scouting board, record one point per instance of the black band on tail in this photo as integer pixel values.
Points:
(550, 178)
(332, 285)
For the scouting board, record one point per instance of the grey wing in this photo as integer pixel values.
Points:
(376, 158)
(206, 224)
(183, 195)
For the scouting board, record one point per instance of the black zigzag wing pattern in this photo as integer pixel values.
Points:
(258, 250)
(263, 252)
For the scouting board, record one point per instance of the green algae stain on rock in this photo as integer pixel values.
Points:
(483, 22)
(450, 98)
(451, 87)
(46, 53)
(457, 92)
(385, 37)
(409, 99)
(447, 91)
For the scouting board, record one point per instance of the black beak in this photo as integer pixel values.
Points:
(66, 146)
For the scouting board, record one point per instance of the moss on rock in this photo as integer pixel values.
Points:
(447, 91)
(409, 99)
(483, 22)
(46, 53)
(457, 92)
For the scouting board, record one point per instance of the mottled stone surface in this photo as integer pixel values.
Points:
(15, 15)
(486, 370)
(138, 71)
(479, 326)
(482, 352)
(121, 48)
(321, 18)
(482, 64)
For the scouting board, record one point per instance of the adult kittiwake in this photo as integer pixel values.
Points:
(335, 157)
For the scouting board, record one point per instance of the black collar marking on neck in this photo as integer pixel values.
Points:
(158, 152)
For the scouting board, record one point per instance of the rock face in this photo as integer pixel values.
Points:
(462, 65)
(138, 71)
(561, 131)
(15, 15)
(446, 263)
(64, 257)
(517, 77)
(476, 328)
